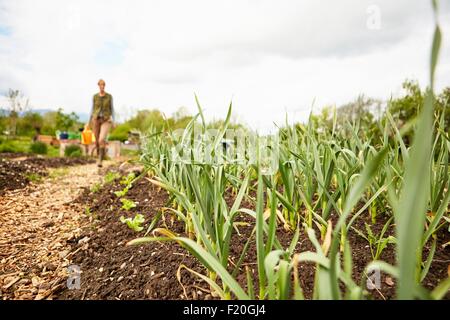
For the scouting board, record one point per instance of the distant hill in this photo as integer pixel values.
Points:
(81, 115)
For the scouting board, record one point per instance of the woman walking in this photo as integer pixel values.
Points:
(101, 119)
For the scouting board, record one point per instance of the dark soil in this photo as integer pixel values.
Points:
(17, 174)
(112, 270)
(12, 155)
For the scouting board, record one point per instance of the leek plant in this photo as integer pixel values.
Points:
(324, 181)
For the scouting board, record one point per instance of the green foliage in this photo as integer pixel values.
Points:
(33, 177)
(369, 114)
(87, 211)
(73, 150)
(408, 106)
(8, 146)
(18, 144)
(122, 193)
(120, 132)
(30, 124)
(65, 122)
(410, 208)
(340, 164)
(38, 148)
(111, 176)
(128, 204)
(134, 224)
(76, 154)
(96, 187)
(406, 109)
(128, 179)
(49, 123)
(18, 103)
(146, 120)
(57, 173)
(377, 243)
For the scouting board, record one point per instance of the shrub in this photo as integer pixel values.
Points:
(120, 133)
(73, 150)
(38, 147)
(76, 154)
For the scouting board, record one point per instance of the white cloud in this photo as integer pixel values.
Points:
(268, 56)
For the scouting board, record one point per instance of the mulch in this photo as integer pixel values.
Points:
(36, 225)
(112, 270)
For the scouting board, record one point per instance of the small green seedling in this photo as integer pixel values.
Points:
(96, 187)
(122, 192)
(128, 204)
(377, 243)
(128, 180)
(34, 177)
(111, 176)
(134, 224)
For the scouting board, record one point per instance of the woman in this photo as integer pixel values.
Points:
(101, 119)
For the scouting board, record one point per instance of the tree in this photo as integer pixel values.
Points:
(361, 110)
(31, 123)
(66, 121)
(145, 118)
(406, 108)
(49, 121)
(17, 104)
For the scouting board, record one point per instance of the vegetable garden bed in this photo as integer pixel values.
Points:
(112, 270)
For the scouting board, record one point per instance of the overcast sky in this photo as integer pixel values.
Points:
(271, 57)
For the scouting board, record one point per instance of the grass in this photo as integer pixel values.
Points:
(130, 153)
(56, 173)
(18, 144)
(34, 177)
(22, 145)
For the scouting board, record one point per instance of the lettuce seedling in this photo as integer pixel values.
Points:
(128, 204)
(134, 224)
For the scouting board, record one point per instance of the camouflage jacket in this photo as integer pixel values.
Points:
(102, 106)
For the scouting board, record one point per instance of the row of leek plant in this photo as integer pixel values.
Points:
(319, 174)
